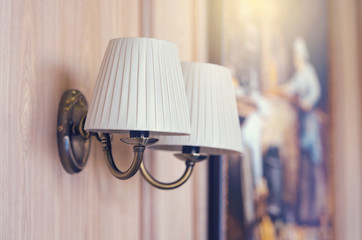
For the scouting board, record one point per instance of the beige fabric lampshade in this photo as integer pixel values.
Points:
(213, 113)
(140, 88)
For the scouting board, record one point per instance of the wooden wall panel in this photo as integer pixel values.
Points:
(182, 211)
(46, 47)
(172, 21)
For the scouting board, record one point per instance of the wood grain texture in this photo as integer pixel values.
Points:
(46, 47)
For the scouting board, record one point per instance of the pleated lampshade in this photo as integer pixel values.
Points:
(213, 113)
(140, 87)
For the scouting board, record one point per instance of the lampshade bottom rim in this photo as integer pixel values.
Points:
(214, 150)
(151, 132)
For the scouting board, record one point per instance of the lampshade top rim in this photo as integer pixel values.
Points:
(143, 38)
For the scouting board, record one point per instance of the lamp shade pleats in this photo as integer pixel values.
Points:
(140, 87)
(213, 113)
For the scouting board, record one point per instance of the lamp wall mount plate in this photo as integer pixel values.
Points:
(74, 146)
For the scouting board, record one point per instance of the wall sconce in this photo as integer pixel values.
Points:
(140, 91)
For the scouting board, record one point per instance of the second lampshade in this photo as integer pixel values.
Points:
(213, 113)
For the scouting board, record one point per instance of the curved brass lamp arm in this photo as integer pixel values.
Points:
(136, 163)
(172, 185)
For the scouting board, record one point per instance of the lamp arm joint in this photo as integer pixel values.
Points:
(136, 163)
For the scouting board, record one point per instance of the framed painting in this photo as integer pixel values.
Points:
(281, 187)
